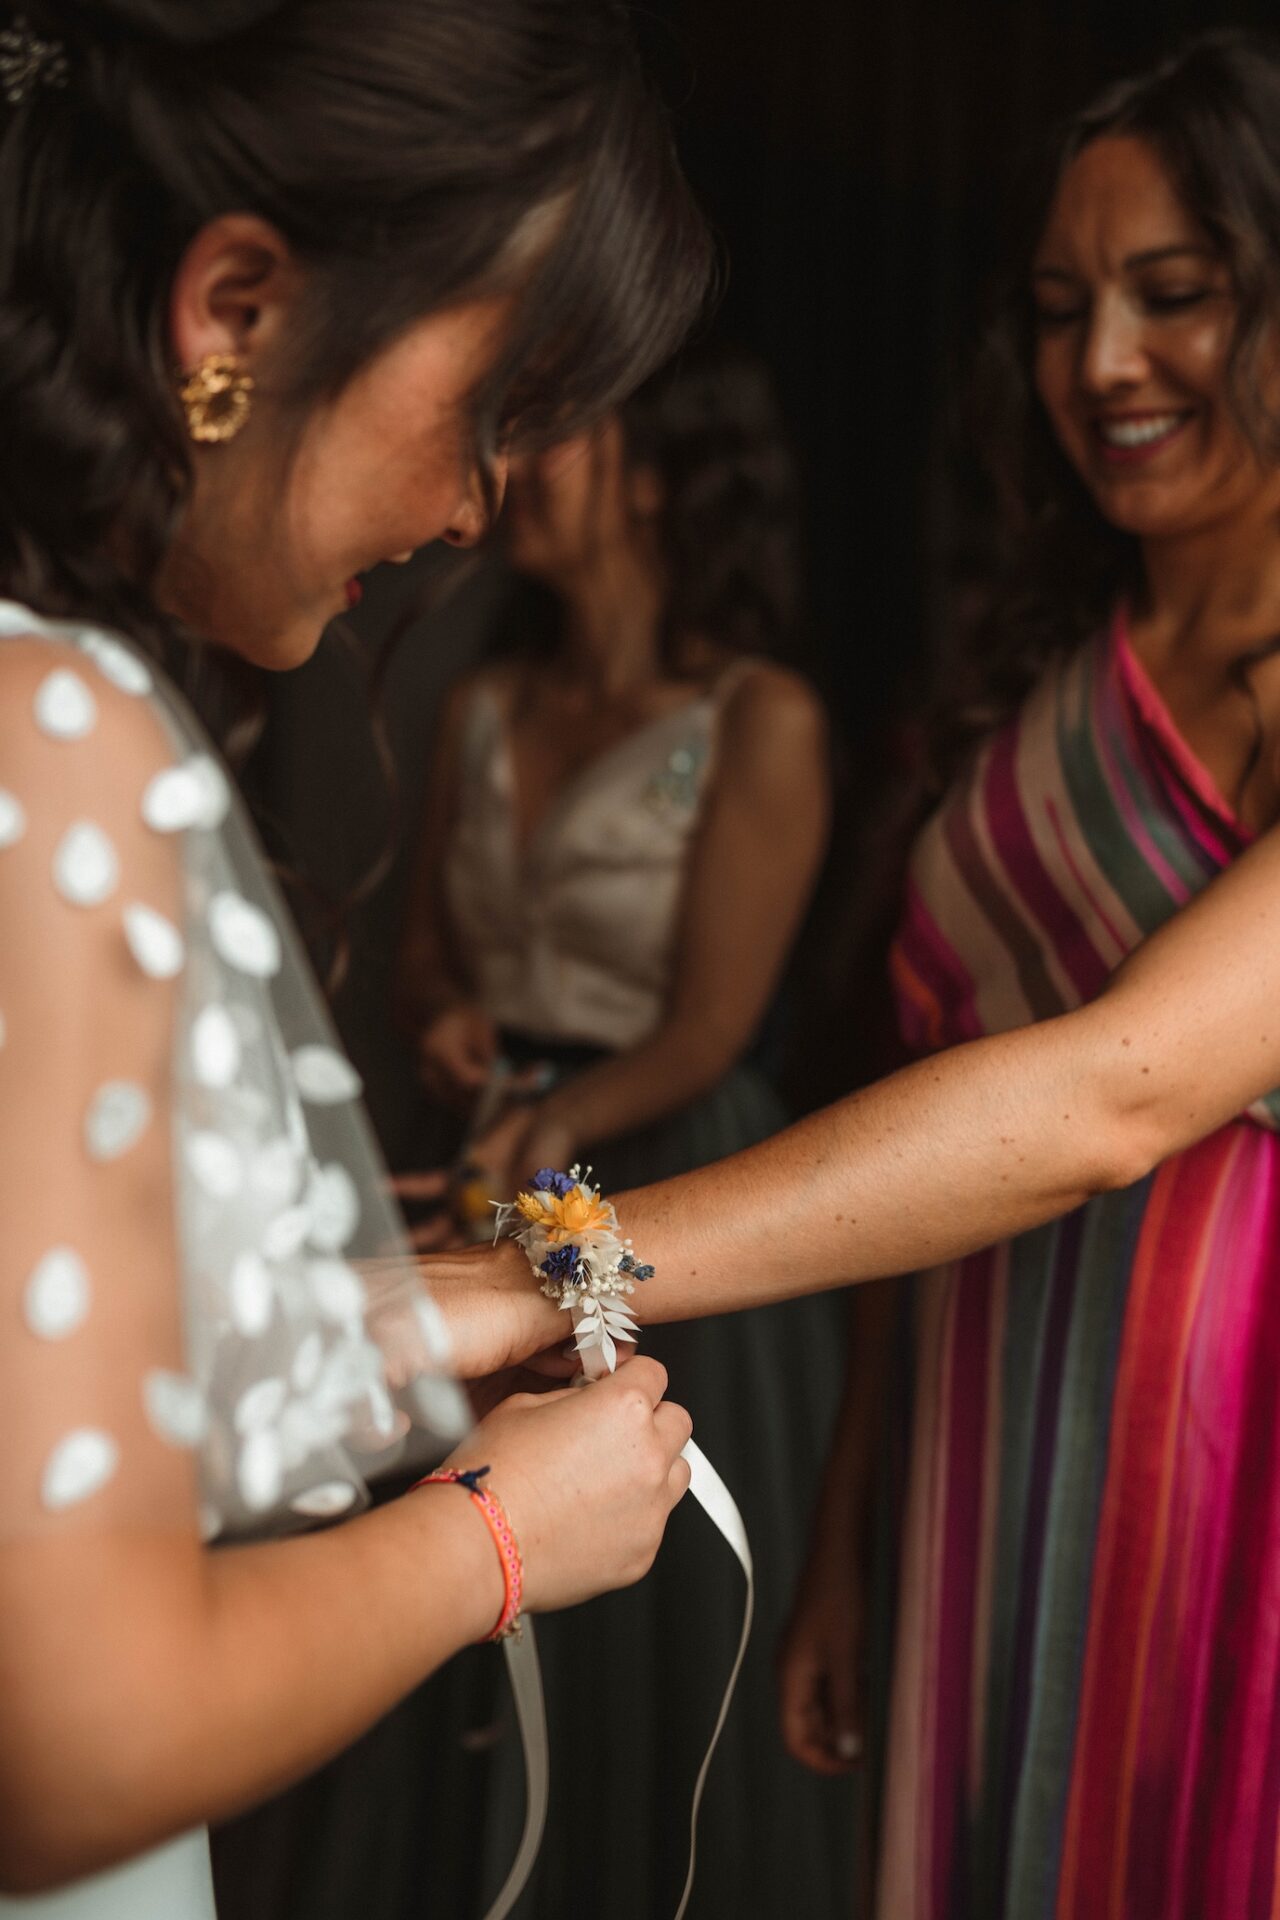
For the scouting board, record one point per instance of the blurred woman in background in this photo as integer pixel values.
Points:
(624, 827)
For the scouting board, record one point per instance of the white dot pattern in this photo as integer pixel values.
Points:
(86, 867)
(324, 1077)
(278, 1374)
(154, 942)
(81, 1463)
(244, 936)
(118, 1116)
(65, 707)
(13, 819)
(57, 1296)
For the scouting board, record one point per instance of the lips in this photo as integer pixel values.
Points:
(1126, 438)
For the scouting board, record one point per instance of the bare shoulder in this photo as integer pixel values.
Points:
(772, 709)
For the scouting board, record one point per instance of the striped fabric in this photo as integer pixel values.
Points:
(1084, 1721)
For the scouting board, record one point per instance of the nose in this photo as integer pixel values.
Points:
(1113, 352)
(476, 513)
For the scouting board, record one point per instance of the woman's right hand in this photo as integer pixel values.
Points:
(456, 1051)
(588, 1477)
(819, 1668)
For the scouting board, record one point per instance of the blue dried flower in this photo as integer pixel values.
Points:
(640, 1272)
(547, 1180)
(562, 1265)
(627, 1264)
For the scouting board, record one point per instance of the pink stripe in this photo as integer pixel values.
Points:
(1095, 905)
(945, 985)
(1146, 696)
(1125, 805)
(1167, 1276)
(1010, 835)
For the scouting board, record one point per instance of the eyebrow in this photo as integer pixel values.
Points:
(1148, 258)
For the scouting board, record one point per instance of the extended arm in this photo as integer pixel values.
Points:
(987, 1139)
(958, 1151)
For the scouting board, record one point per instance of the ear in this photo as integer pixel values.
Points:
(234, 291)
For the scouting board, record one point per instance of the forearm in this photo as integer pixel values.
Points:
(951, 1154)
(240, 1671)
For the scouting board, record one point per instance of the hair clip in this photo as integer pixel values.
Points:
(27, 61)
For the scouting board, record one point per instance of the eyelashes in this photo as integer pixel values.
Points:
(1161, 305)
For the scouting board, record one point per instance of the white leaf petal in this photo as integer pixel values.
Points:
(260, 1405)
(335, 1207)
(324, 1076)
(154, 942)
(118, 664)
(81, 1463)
(175, 1407)
(57, 1294)
(13, 819)
(65, 708)
(252, 1294)
(338, 1289)
(171, 800)
(282, 1236)
(216, 1164)
(244, 936)
(260, 1472)
(118, 1115)
(215, 1047)
(86, 868)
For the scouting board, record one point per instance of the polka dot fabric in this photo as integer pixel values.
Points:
(206, 1290)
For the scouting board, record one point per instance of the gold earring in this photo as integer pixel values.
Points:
(217, 396)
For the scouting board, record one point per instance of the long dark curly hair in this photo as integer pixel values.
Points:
(400, 146)
(1211, 110)
(728, 527)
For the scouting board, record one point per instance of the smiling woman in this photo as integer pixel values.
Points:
(280, 281)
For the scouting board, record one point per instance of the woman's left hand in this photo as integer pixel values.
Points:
(496, 1315)
(524, 1139)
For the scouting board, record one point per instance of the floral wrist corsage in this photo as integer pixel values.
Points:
(571, 1239)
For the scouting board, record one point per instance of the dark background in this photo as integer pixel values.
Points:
(856, 158)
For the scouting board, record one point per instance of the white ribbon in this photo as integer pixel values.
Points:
(712, 1495)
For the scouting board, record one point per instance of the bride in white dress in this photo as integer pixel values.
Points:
(278, 282)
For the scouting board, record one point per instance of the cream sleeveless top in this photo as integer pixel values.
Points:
(574, 939)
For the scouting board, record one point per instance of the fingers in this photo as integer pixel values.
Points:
(674, 1424)
(818, 1713)
(800, 1714)
(644, 1373)
(678, 1480)
(431, 1185)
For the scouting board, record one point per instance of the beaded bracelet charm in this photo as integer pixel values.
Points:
(487, 1501)
(571, 1239)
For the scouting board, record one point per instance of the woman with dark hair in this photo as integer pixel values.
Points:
(281, 284)
(625, 825)
(1084, 1163)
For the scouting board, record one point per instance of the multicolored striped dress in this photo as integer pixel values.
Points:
(1084, 1721)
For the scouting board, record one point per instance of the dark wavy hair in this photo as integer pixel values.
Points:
(401, 147)
(1211, 111)
(728, 527)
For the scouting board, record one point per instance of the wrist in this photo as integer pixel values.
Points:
(488, 1507)
(460, 1541)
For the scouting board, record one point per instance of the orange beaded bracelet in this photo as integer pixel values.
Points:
(504, 1539)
